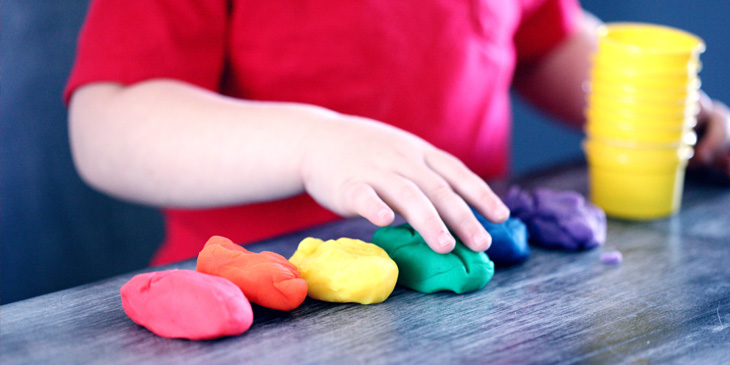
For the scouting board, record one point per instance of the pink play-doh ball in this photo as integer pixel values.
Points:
(186, 304)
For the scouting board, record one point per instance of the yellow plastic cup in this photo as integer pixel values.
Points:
(655, 96)
(665, 83)
(636, 184)
(636, 196)
(638, 137)
(649, 45)
(633, 121)
(600, 104)
(642, 158)
(634, 66)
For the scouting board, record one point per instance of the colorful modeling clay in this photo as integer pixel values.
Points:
(558, 219)
(509, 241)
(613, 257)
(186, 304)
(421, 269)
(266, 278)
(346, 270)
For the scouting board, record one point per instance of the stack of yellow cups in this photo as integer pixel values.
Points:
(642, 108)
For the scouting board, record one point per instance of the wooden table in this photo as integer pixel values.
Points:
(669, 301)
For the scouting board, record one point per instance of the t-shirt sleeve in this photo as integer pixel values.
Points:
(544, 25)
(128, 41)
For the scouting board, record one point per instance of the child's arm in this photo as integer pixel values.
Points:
(169, 143)
(557, 82)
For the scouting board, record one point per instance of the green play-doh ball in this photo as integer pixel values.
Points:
(421, 269)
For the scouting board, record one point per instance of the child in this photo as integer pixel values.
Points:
(225, 113)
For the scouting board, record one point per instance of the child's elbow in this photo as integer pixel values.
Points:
(86, 134)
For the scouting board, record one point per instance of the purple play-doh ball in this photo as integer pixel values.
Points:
(561, 220)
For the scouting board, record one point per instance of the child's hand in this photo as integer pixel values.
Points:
(159, 142)
(713, 125)
(356, 166)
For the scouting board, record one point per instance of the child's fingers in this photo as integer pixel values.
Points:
(470, 186)
(361, 198)
(408, 199)
(714, 139)
(453, 210)
(714, 117)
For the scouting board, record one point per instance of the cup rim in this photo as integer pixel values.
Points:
(633, 128)
(652, 72)
(674, 124)
(636, 170)
(641, 63)
(640, 139)
(647, 82)
(690, 101)
(634, 161)
(639, 91)
(643, 110)
(605, 30)
(680, 151)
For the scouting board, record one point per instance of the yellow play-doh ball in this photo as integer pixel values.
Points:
(345, 270)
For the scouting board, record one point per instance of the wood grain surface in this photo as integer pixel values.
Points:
(668, 301)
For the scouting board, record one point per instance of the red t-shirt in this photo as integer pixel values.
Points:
(440, 69)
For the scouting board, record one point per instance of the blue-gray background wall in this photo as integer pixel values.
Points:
(55, 232)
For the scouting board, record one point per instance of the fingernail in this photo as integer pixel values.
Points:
(445, 240)
(383, 213)
(503, 212)
(481, 241)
